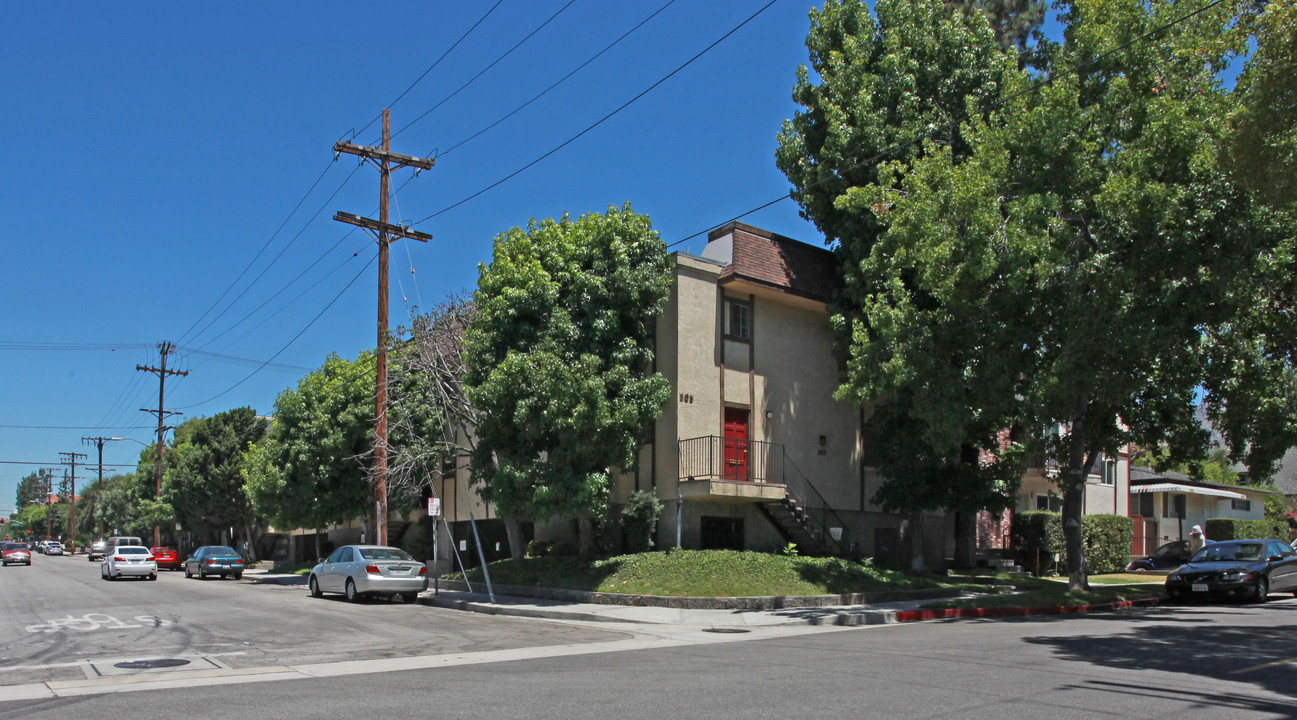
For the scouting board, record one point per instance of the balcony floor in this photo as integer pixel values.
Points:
(737, 491)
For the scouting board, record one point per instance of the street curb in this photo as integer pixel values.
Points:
(765, 602)
(955, 613)
(488, 609)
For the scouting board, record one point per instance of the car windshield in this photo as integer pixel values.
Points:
(1222, 552)
(132, 550)
(222, 550)
(14, 546)
(385, 553)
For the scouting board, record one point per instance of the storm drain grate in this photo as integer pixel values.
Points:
(151, 664)
(725, 630)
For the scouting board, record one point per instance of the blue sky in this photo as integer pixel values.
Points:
(154, 148)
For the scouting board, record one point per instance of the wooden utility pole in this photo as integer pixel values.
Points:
(99, 442)
(49, 502)
(70, 458)
(386, 161)
(164, 349)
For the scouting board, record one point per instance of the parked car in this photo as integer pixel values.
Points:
(118, 540)
(214, 560)
(1236, 569)
(15, 553)
(131, 560)
(53, 548)
(96, 551)
(360, 570)
(166, 558)
(1171, 555)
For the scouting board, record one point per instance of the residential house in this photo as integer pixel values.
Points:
(1166, 505)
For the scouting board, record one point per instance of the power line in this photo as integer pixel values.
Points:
(430, 67)
(877, 158)
(602, 120)
(75, 427)
(259, 252)
(560, 81)
(482, 72)
(271, 264)
(290, 342)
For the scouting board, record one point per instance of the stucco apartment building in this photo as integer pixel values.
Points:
(753, 451)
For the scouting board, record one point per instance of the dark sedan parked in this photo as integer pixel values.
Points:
(214, 560)
(1168, 556)
(1237, 569)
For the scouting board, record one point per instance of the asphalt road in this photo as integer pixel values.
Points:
(59, 620)
(1232, 661)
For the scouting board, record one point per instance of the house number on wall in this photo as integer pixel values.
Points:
(686, 399)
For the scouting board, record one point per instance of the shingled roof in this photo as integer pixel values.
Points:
(779, 262)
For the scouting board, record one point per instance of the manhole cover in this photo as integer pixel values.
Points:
(151, 664)
(726, 630)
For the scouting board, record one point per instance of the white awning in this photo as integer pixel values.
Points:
(1191, 489)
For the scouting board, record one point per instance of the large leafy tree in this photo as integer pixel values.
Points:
(1064, 257)
(33, 487)
(204, 481)
(560, 363)
(310, 468)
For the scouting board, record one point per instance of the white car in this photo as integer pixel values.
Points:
(360, 570)
(54, 548)
(129, 560)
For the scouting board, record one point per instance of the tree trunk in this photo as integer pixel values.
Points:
(914, 539)
(513, 530)
(585, 535)
(965, 539)
(1074, 500)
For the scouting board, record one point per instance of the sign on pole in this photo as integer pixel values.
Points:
(434, 507)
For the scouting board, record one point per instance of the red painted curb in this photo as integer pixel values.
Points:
(948, 613)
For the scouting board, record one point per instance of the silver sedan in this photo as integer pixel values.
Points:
(360, 570)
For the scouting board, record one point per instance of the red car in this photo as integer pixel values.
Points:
(166, 558)
(16, 553)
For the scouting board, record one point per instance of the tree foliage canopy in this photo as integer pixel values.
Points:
(204, 480)
(308, 471)
(1071, 255)
(559, 360)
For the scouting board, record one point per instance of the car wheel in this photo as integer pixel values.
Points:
(352, 595)
(1262, 590)
(238, 576)
(202, 574)
(187, 573)
(314, 585)
(410, 598)
(154, 576)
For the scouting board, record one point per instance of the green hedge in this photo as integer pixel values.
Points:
(1235, 529)
(1107, 539)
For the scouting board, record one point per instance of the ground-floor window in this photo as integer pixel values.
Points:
(721, 533)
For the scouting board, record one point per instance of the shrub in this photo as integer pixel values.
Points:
(639, 520)
(418, 540)
(551, 548)
(1236, 529)
(1106, 538)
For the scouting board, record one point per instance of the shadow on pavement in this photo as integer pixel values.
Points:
(1262, 651)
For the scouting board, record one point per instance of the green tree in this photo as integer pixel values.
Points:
(1262, 154)
(33, 487)
(204, 480)
(1012, 20)
(1063, 256)
(560, 364)
(310, 469)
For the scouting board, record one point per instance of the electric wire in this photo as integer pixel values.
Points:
(290, 342)
(881, 155)
(431, 67)
(271, 264)
(558, 82)
(601, 120)
(484, 70)
(254, 259)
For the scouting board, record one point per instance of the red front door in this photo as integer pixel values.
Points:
(736, 444)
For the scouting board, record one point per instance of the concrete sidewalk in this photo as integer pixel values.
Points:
(720, 620)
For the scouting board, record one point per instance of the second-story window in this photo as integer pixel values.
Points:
(740, 321)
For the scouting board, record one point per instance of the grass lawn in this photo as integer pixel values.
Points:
(702, 573)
